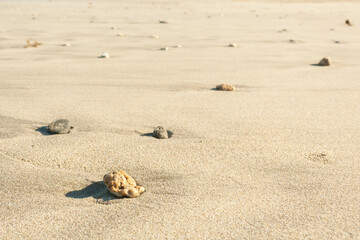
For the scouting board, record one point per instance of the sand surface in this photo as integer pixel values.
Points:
(276, 159)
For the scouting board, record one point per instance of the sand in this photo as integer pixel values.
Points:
(278, 158)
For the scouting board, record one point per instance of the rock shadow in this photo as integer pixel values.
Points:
(96, 190)
(151, 134)
(43, 130)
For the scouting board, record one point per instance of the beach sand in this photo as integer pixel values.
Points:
(278, 158)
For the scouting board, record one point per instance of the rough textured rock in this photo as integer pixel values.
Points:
(161, 133)
(325, 62)
(122, 185)
(225, 87)
(60, 126)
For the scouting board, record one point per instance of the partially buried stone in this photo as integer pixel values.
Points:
(160, 133)
(122, 185)
(60, 126)
(324, 62)
(293, 41)
(348, 22)
(104, 55)
(163, 21)
(225, 87)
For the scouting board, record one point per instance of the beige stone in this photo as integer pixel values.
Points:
(225, 87)
(121, 184)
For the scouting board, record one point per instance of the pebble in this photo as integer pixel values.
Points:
(163, 21)
(325, 62)
(348, 22)
(225, 87)
(104, 55)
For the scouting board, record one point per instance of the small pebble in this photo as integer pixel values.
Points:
(155, 36)
(164, 48)
(66, 45)
(325, 62)
(177, 46)
(347, 22)
(163, 21)
(32, 43)
(60, 126)
(160, 133)
(104, 55)
(225, 87)
(233, 45)
(119, 35)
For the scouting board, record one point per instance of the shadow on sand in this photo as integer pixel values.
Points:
(151, 134)
(43, 131)
(96, 190)
(170, 134)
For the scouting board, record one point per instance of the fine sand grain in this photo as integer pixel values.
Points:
(278, 158)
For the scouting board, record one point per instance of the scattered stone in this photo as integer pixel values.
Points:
(337, 42)
(113, 28)
(104, 55)
(282, 30)
(66, 45)
(225, 87)
(293, 41)
(318, 157)
(233, 45)
(164, 48)
(120, 35)
(121, 184)
(177, 46)
(60, 126)
(161, 133)
(163, 21)
(32, 43)
(325, 62)
(347, 22)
